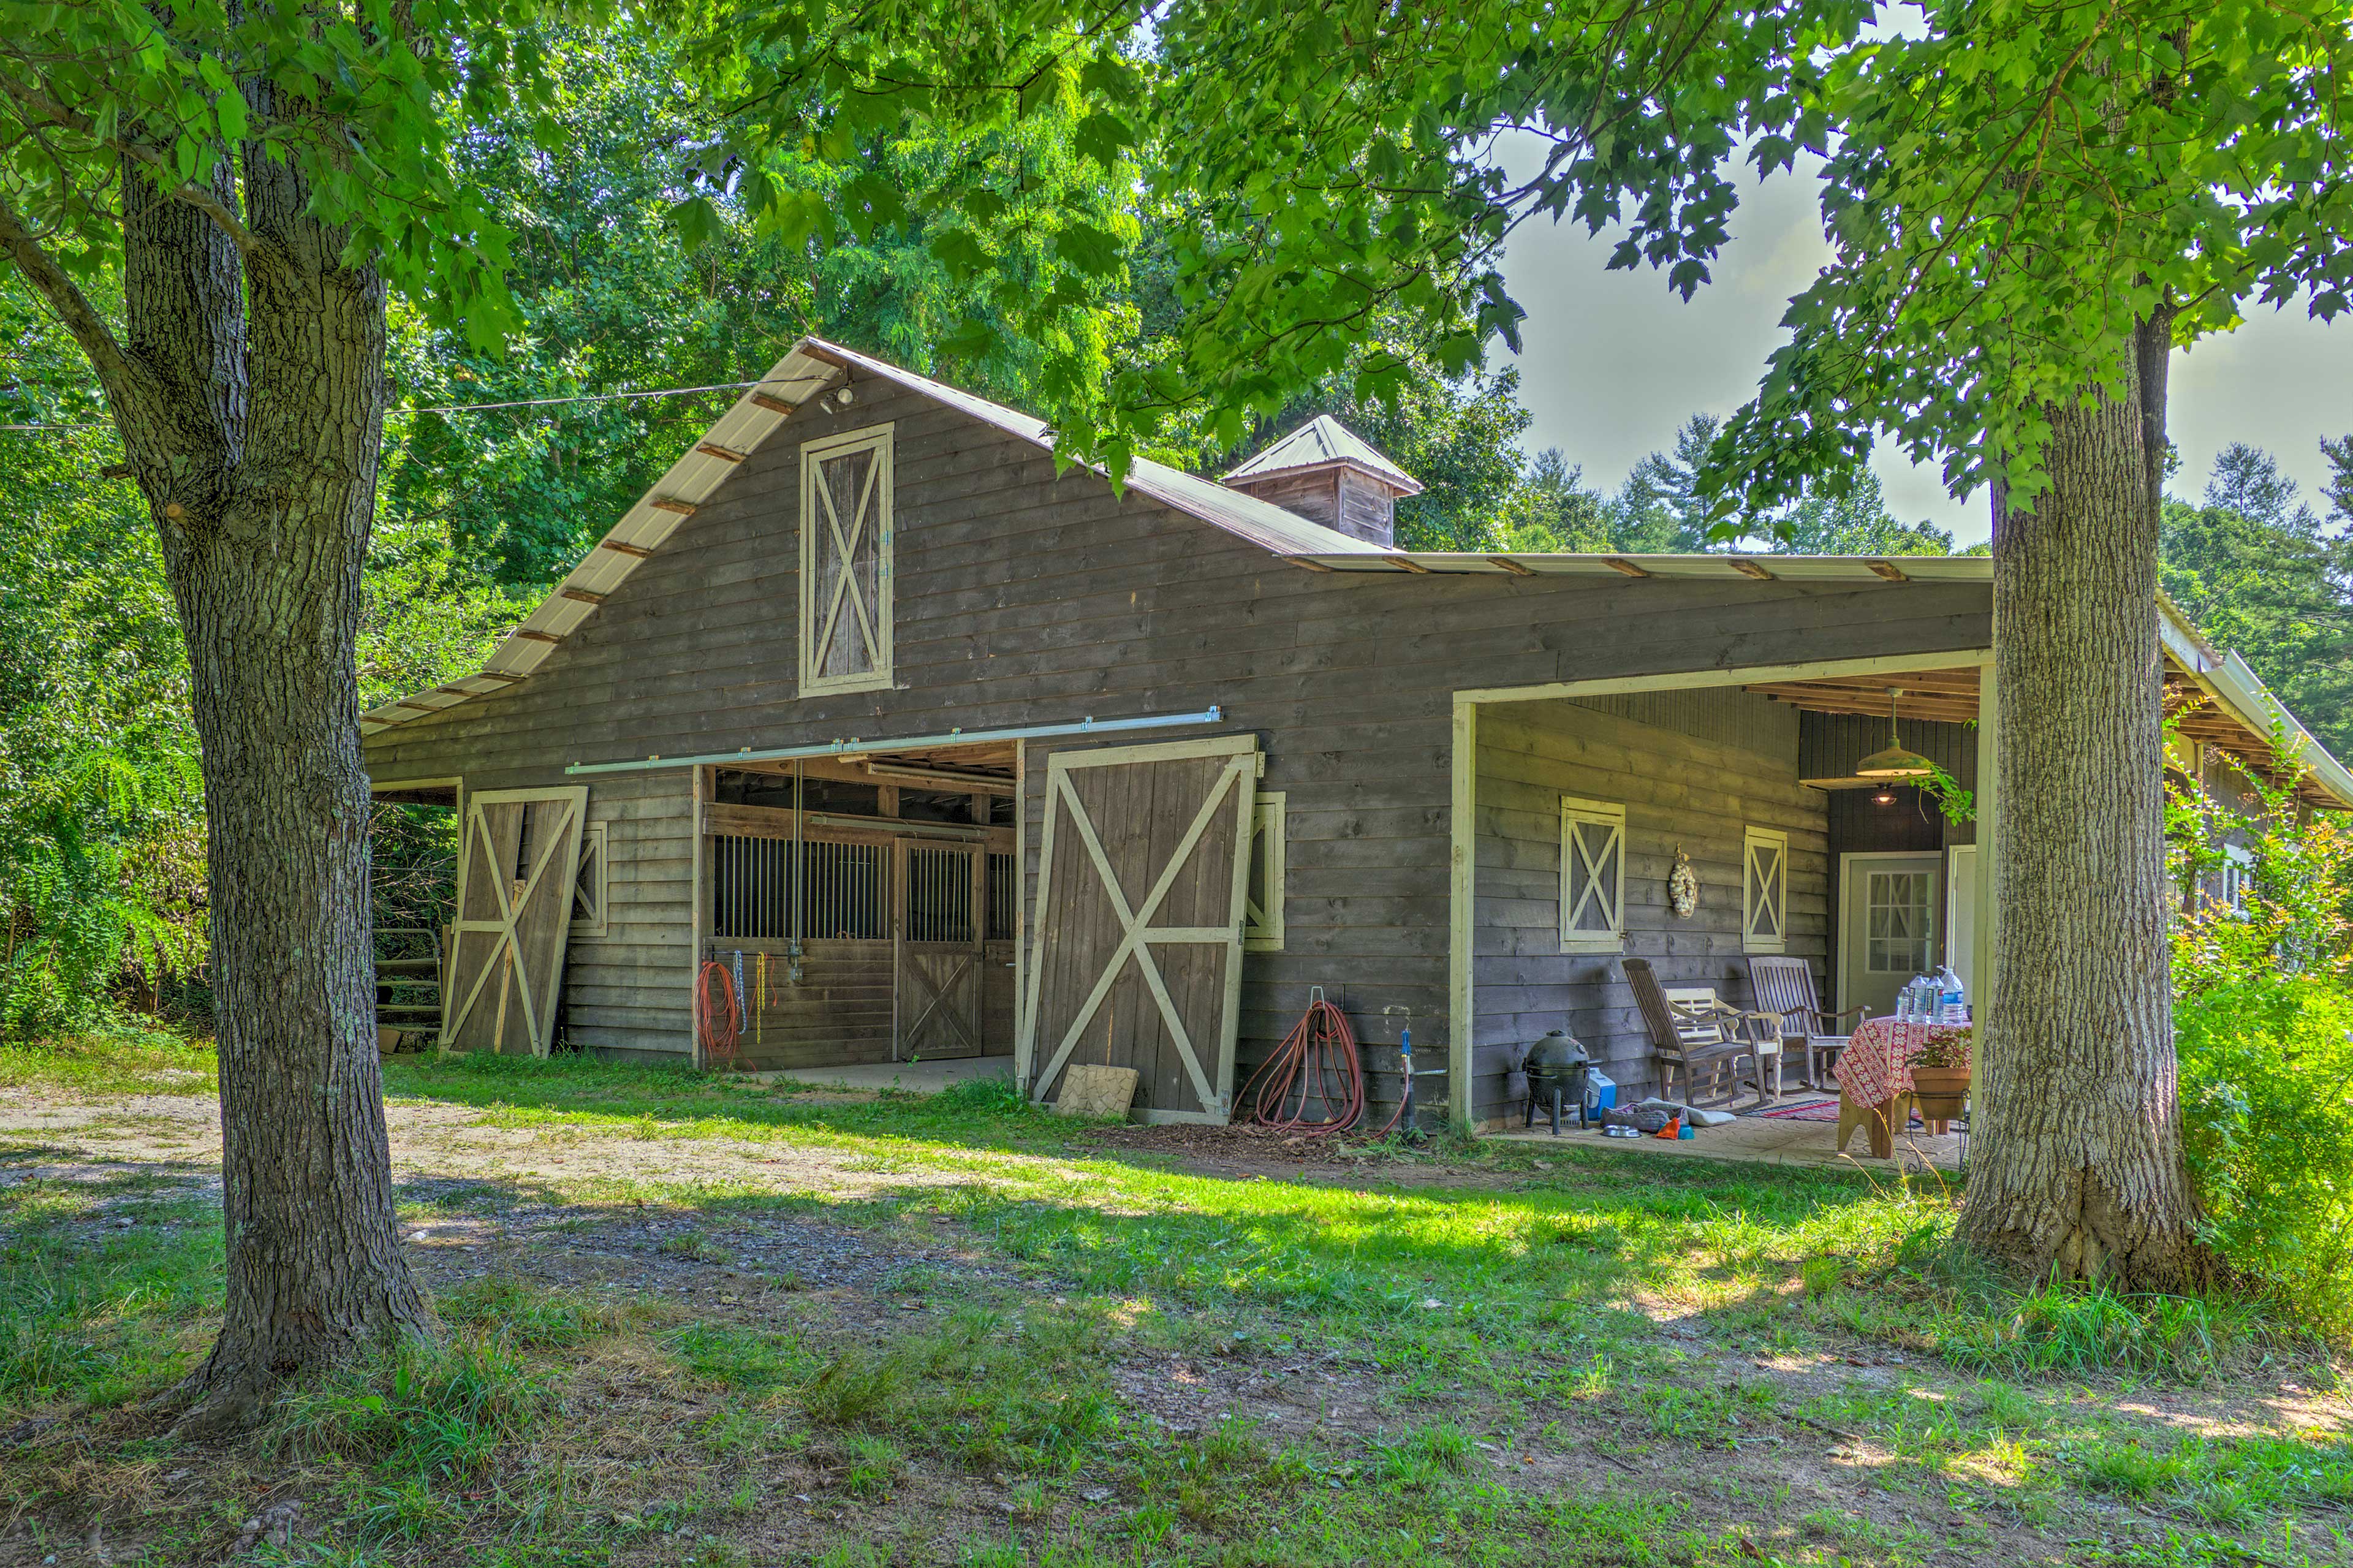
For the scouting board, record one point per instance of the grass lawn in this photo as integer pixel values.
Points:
(699, 1322)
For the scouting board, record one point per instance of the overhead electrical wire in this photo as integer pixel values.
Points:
(486, 407)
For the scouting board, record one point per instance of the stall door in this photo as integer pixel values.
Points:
(516, 864)
(1142, 884)
(938, 988)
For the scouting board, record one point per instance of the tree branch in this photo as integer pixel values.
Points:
(120, 376)
(169, 183)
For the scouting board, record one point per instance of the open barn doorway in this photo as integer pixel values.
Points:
(413, 897)
(861, 911)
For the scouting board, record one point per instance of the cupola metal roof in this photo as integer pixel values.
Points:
(1324, 442)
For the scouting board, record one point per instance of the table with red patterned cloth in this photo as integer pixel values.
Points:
(1876, 1065)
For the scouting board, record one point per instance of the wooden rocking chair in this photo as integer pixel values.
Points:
(1693, 1031)
(1785, 987)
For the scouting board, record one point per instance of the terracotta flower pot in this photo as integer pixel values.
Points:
(1940, 1093)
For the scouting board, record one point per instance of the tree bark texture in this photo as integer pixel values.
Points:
(2077, 1166)
(253, 429)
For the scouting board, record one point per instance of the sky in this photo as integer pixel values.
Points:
(1613, 363)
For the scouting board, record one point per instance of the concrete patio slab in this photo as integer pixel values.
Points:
(1768, 1141)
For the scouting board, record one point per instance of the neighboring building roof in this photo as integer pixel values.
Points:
(1320, 443)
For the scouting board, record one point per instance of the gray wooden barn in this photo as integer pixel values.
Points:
(936, 751)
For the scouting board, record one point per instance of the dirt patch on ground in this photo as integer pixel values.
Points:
(489, 1197)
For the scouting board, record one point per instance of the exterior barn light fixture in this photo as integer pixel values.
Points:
(1895, 762)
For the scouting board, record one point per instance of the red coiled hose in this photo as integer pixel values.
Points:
(1319, 1061)
(718, 1016)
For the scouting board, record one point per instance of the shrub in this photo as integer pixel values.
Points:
(2267, 1111)
(2263, 1035)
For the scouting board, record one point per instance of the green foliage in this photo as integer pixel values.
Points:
(350, 102)
(1457, 436)
(2261, 573)
(2014, 191)
(1663, 509)
(1316, 175)
(2267, 1108)
(2264, 1033)
(610, 302)
(101, 847)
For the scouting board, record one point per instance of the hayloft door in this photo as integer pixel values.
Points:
(938, 990)
(846, 557)
(517, 862)
(1143, 880)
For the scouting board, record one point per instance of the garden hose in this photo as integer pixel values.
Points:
(718, 1016)
(1317, 1060)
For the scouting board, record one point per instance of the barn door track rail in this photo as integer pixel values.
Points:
(858, 746)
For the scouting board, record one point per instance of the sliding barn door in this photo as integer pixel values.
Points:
(516, 864)
(1142, 884)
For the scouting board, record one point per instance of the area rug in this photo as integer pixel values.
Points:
(1816, 1110)
(1820, 1111)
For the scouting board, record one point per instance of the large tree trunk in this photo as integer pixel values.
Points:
(259, 459)
(2077, 1166)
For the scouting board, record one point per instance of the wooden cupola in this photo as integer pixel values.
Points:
(1326, 473)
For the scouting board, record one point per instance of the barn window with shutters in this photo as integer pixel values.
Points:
(1765, 898)
(1262, 903)
(1592, 875)
(845, 561)
(588, 887)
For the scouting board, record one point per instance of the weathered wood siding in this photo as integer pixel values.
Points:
(1700, 796)
(628, 989)
(1367, 511)
(1024, 597)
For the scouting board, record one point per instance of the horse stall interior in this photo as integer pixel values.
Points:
(861, 911)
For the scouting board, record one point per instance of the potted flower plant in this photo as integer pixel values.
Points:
(1940, 1075)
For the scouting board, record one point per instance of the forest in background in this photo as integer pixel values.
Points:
(482, 507)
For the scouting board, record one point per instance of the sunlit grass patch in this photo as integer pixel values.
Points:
(125, 1056)
(534, 1316)
(94, 1312)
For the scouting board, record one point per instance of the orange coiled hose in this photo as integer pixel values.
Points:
(1318, 1060)
(718, 1016)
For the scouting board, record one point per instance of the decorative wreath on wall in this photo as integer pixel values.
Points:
(1682, 887)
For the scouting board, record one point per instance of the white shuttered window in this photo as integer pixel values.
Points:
(1765, 890)
(1592, 875)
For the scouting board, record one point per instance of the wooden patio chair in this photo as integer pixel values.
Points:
(1694, 1034)
(1785, 987)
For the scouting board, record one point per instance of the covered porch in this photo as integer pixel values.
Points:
(1586, 815)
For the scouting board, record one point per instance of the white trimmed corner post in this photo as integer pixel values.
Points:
(1462, 1011)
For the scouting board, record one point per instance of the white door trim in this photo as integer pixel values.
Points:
(1846, 893)
(1953, 853)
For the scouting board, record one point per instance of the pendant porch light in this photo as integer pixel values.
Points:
(1895, 762)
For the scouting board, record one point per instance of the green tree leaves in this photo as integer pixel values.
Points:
(1306, 181)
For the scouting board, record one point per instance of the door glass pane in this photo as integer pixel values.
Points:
(1897, 916)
